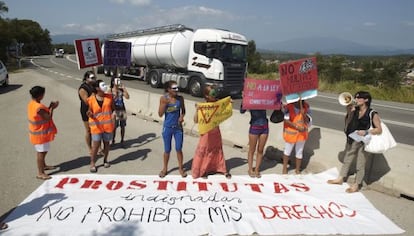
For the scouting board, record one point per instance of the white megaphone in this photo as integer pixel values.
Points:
(346, 99)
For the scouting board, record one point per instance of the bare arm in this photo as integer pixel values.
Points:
(83, 95)
(377, 123)
(163, 106)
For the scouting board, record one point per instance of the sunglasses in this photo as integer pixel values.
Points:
(175, 88)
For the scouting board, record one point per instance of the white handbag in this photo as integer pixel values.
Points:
(381, 142)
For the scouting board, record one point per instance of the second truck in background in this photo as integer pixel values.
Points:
(191, 58)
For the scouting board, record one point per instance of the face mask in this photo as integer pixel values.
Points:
(103, 86)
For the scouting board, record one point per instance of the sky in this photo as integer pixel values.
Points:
(388, 23)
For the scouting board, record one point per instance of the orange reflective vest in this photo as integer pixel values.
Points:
(101, 120)
(40, 130)
(290, 134)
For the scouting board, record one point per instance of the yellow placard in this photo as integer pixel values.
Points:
(211, 114)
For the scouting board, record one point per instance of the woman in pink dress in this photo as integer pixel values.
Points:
(209, 156)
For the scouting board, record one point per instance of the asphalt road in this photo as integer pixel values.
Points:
(326, 110)
(18, 165)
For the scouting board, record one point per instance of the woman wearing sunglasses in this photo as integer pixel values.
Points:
(172, 106)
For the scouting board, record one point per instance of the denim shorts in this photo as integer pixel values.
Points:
(259, 129)
(106, 137)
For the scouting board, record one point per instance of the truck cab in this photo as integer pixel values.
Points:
(217, 57)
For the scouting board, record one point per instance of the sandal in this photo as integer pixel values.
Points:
(43, 177)
(93, 169)
(3, 226)
(106, 164)
(258, 175)
(334, 181)
(162, 174)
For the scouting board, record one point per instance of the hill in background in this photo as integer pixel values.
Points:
(322, 45)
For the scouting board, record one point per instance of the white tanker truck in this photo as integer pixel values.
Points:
(191, 58)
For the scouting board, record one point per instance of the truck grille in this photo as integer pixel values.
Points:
(234, 77)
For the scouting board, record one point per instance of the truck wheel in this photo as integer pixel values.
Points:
(154, 79)
(195, 87)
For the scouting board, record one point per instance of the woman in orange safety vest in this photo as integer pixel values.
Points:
(101, 121)
(295, 132)
(42, 130)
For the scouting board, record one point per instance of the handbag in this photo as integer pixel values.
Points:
(277, 116)
(381, 142)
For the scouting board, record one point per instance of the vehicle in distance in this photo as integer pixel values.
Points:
(59, 52)
(4, 75)
(192, 58)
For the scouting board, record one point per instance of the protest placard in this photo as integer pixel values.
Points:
(211, 114)
(298, 76)
(117, 53)
(88, 52)
(262, 94)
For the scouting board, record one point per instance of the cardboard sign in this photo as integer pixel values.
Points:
(88, 52)
(117, 53)
(298, 76)
(211, 114)
(262, 94)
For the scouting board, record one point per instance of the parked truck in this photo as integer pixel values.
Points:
(192, 58)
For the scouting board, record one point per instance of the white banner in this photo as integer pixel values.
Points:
(147, 205)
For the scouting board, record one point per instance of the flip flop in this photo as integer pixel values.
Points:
(43, 177)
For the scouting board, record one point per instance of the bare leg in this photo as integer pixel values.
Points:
(259, 155)
(285, 163)
(180, 163)
(250, 155)
(95, 147)
(41, 164)
(298, 165)
(106, 151)
(113, 135)
(166, 158)
(122, 133)
(88, 139)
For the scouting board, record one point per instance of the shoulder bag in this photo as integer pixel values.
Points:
(381, 142)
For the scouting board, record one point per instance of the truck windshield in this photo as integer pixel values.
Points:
(232, 52)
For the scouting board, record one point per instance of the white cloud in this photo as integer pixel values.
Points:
(191, 16)
(369, 24)
(408, 23)
(133, 2)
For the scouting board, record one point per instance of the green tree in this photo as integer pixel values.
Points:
(389, 76)
(254, 58)
(334, 69)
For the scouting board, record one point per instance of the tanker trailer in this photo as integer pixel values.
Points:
(193, 59)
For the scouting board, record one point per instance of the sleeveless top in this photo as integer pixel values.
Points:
(119, 100)
(172, 113)
(89, 89)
